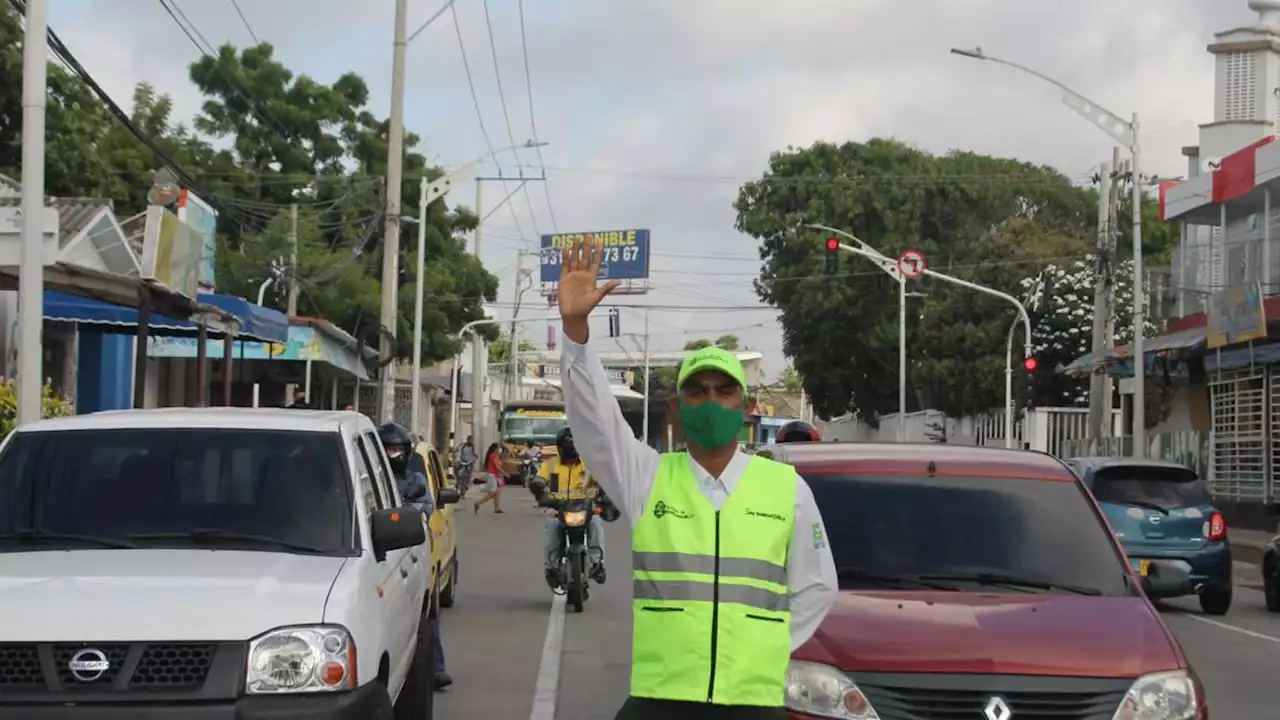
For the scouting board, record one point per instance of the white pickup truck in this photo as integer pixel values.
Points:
(211, 563)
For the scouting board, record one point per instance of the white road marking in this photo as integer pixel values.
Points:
(1227, 626)
(544, 692)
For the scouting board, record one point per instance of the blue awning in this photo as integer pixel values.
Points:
(256, 321)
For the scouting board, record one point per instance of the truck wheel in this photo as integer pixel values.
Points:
(417, 697)
(447, 595)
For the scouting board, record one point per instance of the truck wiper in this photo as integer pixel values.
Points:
(36, 535)
(993, 578)
(890, 580)
(217, 535)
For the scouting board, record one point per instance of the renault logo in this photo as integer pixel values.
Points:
(88, 665)
(997, 709)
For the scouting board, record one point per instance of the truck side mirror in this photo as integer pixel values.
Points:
(394, 529)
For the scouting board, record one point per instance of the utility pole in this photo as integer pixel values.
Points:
(1099, 400)
(513, 355)
(31, 264)
(644, 423)
(1113, 229)
(479, 353)
(391, 232)
(291, 278)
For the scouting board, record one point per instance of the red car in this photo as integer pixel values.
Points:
(977, 583)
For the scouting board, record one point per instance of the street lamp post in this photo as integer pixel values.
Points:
(890, 267)
(457, 362)
(1127, 134)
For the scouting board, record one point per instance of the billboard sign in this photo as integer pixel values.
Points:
(1236, 315)
(626, 254)
(201, 218)
(171, 252)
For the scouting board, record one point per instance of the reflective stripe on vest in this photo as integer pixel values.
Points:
(712, 621)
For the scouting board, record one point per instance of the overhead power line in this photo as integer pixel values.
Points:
(506, 116)
(245, 20)
(475, 100)
(533, 121)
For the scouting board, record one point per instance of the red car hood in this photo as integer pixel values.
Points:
(1023, 634)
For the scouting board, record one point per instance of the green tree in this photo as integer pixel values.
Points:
(500, 349)
(842, 332)
(663, 384)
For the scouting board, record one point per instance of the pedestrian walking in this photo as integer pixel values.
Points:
(493, 481)
(725, 545)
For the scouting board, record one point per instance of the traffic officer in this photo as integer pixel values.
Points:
(411, 479)
(732, 568)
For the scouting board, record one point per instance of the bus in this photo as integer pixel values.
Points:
(537, 421)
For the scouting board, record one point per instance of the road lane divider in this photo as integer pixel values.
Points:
(548, 685)
(1229, 626)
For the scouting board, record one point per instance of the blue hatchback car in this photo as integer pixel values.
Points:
(1163, 516)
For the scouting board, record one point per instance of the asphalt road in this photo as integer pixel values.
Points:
(496, 637)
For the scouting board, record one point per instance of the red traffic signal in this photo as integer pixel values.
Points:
(1030, 364)
(832, 244)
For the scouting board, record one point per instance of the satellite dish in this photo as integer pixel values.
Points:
(1211, 164)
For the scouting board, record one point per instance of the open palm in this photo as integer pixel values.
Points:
(578, 292)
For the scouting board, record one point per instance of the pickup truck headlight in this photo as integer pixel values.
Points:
(826, 692)
(307, 658)
(1160, 696)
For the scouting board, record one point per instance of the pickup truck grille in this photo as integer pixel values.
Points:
(925, 696)
(33, 668)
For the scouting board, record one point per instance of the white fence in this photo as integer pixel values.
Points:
(1045, 429)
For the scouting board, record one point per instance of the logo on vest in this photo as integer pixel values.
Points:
(661, 510)
(771, 516)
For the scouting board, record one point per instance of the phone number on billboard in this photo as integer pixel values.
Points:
(631, 253)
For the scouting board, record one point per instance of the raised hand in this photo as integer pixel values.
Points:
(578, 292)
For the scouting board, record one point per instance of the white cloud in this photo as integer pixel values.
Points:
(632, 88)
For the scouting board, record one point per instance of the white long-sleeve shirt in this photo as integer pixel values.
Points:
(626, 468)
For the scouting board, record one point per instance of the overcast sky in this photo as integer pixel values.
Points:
(656, 110)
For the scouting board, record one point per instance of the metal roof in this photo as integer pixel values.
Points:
(916, 459)
(74, 214)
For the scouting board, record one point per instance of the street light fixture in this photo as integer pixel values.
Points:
(1125, 132)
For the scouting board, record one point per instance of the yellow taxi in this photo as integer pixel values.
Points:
(444, 537)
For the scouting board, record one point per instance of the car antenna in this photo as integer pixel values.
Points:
(932, 469)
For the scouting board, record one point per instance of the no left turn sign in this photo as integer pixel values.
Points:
(911, 264)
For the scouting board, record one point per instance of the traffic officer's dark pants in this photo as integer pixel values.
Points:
(648, 709)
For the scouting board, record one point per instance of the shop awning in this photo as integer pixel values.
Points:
(256, 322)
(64, 307)
(1170, 345)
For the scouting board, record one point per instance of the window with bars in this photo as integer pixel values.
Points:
(1274, 403)
(1239, 404)
(1239, 91)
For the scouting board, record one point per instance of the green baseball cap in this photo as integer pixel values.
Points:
(712, 358)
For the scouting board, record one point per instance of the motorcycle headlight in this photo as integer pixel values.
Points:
(824, 691)
(308, 658)
(1160, 696)
(575, 518)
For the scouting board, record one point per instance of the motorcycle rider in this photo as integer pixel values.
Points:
(411, 473)
(798, 431)
(565, 476)
(466, 462)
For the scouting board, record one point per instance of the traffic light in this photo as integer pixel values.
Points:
(1030, 364)
(615, 323)
(833, 256)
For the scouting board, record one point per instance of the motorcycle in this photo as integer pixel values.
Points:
(528, 470)
(574, 556)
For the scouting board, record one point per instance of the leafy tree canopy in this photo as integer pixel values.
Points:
(500, 349)
(266, 138)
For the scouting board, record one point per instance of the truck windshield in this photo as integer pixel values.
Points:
(524, 428)
(966, 533)
(228, 488)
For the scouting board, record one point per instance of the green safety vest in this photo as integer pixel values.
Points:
(712, 621)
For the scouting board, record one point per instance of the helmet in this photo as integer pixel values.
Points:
(564, 445)
(798, 431)
(398, 442)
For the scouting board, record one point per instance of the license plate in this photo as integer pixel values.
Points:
(1144, 567)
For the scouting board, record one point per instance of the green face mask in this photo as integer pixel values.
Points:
(709, 424)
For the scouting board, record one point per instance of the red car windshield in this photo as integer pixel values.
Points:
(967, 533)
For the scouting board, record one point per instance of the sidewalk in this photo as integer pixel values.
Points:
(1248, 545)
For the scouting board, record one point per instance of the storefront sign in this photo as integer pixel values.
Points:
(1236, 315)
(304, 344)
